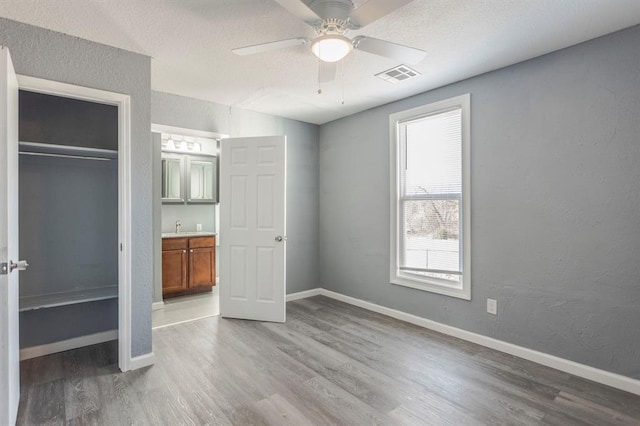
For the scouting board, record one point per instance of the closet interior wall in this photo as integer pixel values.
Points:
(68, 178)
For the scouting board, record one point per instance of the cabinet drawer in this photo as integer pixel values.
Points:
(174, 243)
(198, 242)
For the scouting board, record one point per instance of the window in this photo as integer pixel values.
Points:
(430, 211)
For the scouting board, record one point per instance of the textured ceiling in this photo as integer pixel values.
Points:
(190, 42)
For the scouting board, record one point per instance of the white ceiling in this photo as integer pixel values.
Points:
(190, 42)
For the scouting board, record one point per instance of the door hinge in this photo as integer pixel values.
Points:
(4, 269)
(120, 246)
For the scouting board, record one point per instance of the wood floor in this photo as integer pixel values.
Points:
(331, 363)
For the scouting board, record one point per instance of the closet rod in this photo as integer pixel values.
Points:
(79, 157)
(66, 151)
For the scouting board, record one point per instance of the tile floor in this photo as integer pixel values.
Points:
(187, 308)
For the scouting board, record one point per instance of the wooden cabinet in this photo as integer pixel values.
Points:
(174, 265)
(188, 265)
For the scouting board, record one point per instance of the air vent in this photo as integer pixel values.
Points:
(398, 74)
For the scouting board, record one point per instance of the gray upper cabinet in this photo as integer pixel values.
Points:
(202, 179)
(188, 178)
(173, 185)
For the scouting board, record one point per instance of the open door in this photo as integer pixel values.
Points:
(9, 342)
(253, 228)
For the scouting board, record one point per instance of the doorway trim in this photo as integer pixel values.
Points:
(123, 103)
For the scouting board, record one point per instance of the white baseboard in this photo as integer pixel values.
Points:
(157, 305)
(142, 361)
(65, 345)
(303, 294)
(614, 380)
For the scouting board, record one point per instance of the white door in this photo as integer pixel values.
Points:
(253, 228)
(9, 345)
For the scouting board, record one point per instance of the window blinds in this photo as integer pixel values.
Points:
(431, 194)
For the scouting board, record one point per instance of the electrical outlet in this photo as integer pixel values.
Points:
(198, 227)
(492, 306)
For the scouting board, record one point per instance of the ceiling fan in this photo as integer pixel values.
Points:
(331, 19)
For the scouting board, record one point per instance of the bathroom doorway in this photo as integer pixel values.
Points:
(186, 213)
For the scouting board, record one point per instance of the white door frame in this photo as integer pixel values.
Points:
(123, 102)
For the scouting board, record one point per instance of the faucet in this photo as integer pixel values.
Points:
(178, 225)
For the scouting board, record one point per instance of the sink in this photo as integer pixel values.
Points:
(187, 234)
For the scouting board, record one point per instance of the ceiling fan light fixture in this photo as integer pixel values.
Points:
(331, 47)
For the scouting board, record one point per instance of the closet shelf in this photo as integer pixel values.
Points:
(30, 303)
(44, 149)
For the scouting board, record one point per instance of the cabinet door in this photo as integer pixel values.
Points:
(202, 267)
(174, 271)
(202, 180)
(172, 178)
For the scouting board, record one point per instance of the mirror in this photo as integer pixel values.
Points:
(202, 181)
(172, 179)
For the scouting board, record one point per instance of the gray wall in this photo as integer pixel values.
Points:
(189, 215)
(156, 147)
(555, 171)
(302, 170)
(46, 54)
(68, 224)
(52, 325)
(69, 235)
(65, 121)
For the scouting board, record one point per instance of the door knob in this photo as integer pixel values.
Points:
(22, 265)
(6, 268)
(280, 238)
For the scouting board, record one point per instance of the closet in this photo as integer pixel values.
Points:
(68, 218)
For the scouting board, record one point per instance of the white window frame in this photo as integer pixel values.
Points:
(462, 289)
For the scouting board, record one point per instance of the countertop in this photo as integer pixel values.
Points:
(187, 234)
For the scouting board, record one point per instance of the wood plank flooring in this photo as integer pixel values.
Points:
(331, 363)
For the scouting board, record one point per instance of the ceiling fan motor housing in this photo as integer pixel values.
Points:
(331, 26)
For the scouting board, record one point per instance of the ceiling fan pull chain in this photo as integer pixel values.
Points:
(342, 78)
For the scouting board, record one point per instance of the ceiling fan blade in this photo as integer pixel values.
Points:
(327, 71)
(268, 47)
(399, 52)
(374, 10)
(301, 10)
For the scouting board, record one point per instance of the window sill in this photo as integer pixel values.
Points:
(460, 293)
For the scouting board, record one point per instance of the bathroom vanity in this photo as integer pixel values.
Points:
(188, 263)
